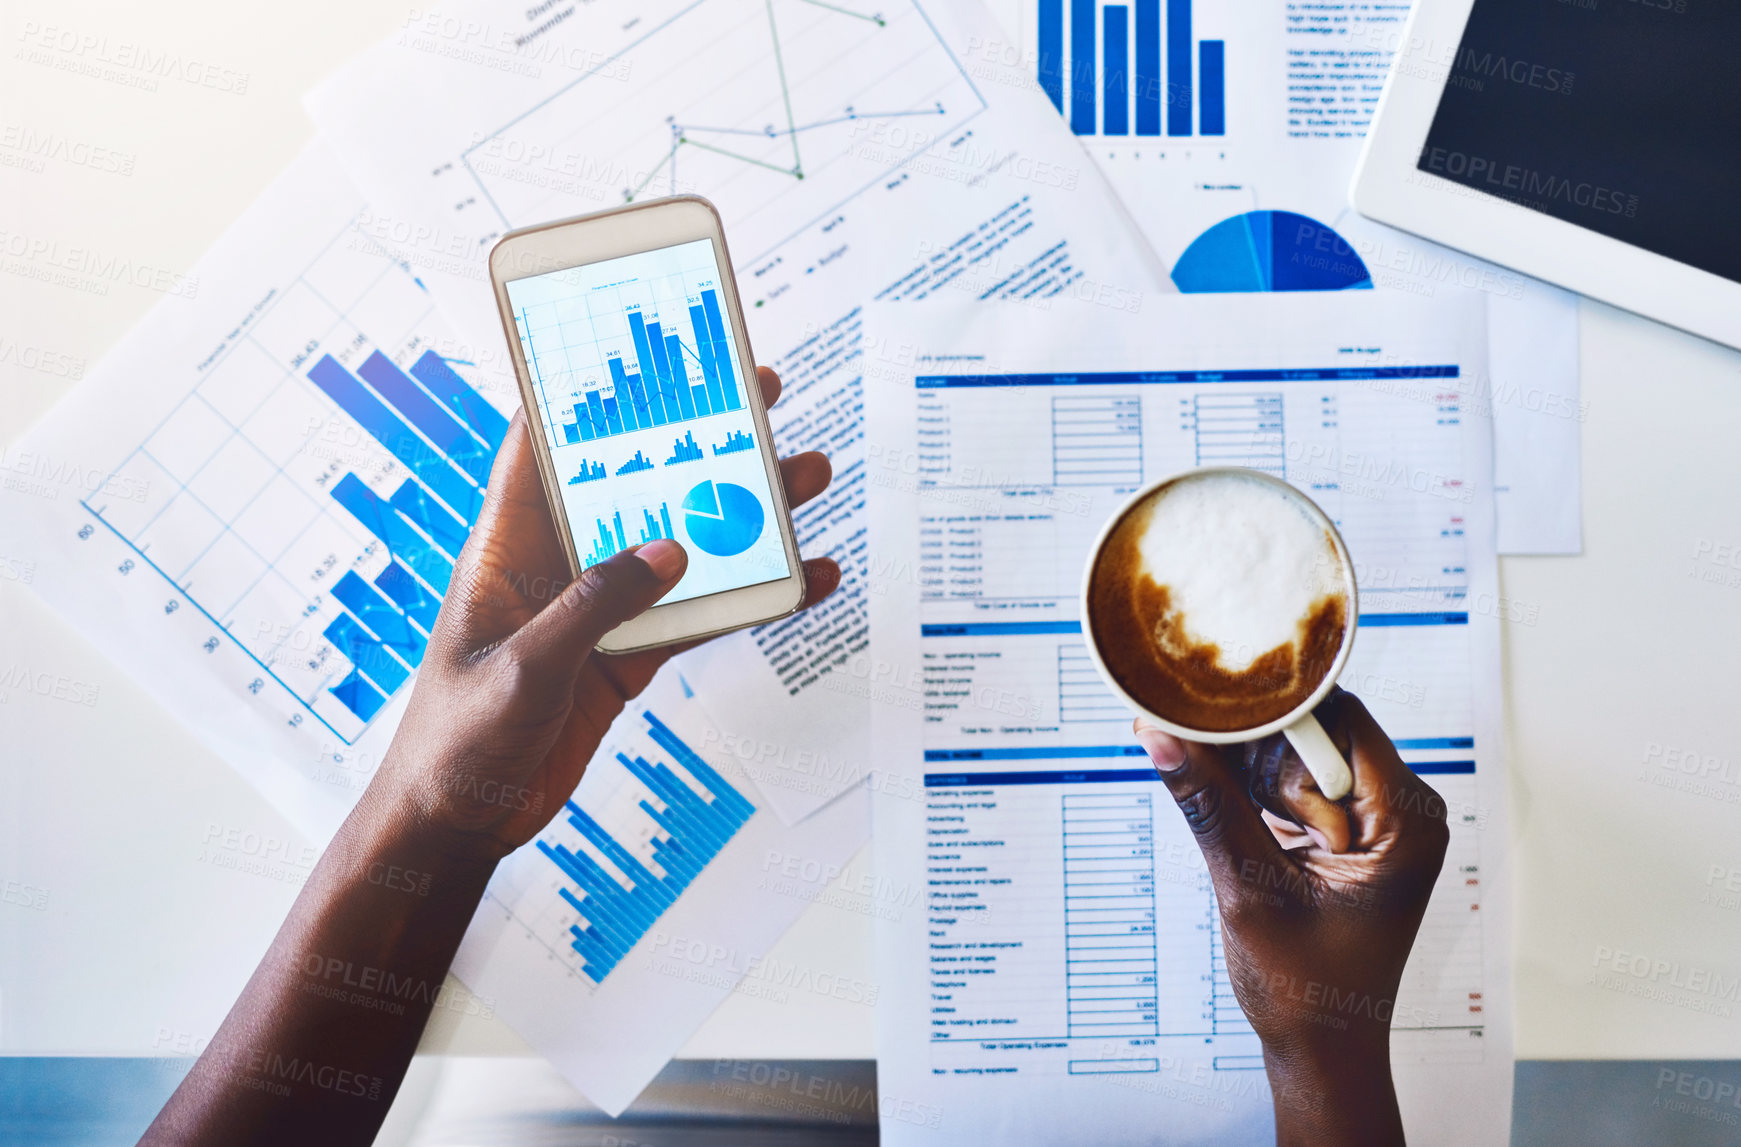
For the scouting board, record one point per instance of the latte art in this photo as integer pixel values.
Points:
(1219, 602)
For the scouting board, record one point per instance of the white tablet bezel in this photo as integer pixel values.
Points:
(1390, 189)
(611, 234)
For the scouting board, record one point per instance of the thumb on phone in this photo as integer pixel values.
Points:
(552, 646)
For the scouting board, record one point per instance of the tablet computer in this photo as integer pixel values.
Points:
(1592, 143)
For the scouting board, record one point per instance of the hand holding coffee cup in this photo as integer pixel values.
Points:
(1220, 605)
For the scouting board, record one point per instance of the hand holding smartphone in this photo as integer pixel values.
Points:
(640, 391)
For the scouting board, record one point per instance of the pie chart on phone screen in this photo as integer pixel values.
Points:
(723, 519)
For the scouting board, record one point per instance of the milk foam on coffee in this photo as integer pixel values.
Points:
(1219, 602)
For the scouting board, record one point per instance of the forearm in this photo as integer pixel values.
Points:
(1335, 1095)
(315, 1048)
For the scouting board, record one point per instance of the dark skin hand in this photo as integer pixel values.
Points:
(1320, 903)
(510, 704)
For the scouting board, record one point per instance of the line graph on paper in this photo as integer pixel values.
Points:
(755, 102)
(309, 493)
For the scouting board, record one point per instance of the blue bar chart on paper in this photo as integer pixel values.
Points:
(421, 526)
(620, 877)
(1131, 70)
(313, 489)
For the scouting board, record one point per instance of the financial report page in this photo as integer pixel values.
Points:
(1071, 944)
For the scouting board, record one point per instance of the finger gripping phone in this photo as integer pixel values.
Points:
(641, 397)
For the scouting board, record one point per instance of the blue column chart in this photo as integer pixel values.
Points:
(632, 352)
(658, 391)
(620, 887)
(425, 521)
(612, 539)
(735, 442)
(589, 472)
(640, 394)
(312, 489)
(1102, 67)
(683, 450)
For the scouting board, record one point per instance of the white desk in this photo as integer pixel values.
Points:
(155, 912)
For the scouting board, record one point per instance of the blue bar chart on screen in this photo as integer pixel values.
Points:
(612, 539)
(734, 442)
(656, 386)
(589, 472)
(1113, 57)
(684, 449)
(620, 882)
(636, 370)
(634, 465)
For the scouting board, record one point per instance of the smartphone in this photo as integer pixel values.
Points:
(641, 395)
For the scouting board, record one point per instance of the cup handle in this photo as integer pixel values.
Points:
(1321, 757)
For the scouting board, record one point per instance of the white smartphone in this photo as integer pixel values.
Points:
(641, 395)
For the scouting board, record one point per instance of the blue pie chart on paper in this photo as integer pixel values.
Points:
(1270, 251)
(723, 519)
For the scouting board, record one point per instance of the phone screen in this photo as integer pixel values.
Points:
(647, 414)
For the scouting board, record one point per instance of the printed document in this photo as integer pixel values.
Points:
(1231, 129)
(655, 893)
(997, 446)
(253, 506)
(235, 507)
(855, 156)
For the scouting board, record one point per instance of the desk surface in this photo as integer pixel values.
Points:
(503, 1100)
(1623, 736)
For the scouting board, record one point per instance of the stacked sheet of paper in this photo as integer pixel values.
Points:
(1231, 129)
(229, 506)
(236, 507)
(855, 159)
(1037, 1001)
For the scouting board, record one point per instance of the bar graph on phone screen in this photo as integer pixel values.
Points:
(310, 493)
(652, 350)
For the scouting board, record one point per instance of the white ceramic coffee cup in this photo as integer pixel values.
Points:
(1304, 733)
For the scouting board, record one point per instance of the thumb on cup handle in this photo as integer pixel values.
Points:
(1321, 757)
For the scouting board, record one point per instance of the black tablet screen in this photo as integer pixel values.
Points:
(1620, 116)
